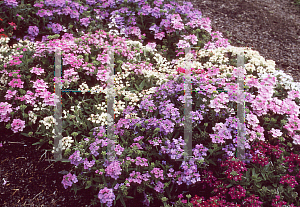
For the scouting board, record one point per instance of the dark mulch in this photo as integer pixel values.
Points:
(31, 180)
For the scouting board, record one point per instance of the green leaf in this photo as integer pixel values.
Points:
(122, 201)
(253, 171)
(25, 134)
(118, 197)
(129, 197)
(142, 84)
(247, 175)
(258, 185)
(103, 178)
(213, 163)
(263, 174)
(36, 143)
(89, 183)
(94, 158)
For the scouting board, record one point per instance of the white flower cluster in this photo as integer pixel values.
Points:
(131, 116)
(287, 80)
(48, 121)
(67, 142)
(83, 88)
(99, 119)
(218, 60)
(4, 79)
(32, 117)
(40, 107)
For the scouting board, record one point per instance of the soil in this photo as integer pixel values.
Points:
(268, 26)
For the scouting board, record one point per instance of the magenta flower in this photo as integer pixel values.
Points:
(18, 125)
(68, 180)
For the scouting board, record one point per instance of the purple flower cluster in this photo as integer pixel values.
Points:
(87, 164)
(85, 21)
(190, 174)
(12, 3)
(43, 13)
(200, 151)
(55, 3)
(173, 149)
(114, 170)
(75, 158)
(33, 30)
(137, 177)
(106, 196)
(90, 2)
(68, 180)
(159, 187)
(56, 28)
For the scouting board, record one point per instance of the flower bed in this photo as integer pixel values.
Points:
(149, 109)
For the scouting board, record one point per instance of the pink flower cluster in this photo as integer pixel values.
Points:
(158, 173)
(159, 187)
(291, 160)
(5, 110)
(17, 125)
(290, 180)
(281, 203)
(16, 61)
(87, 164)
(237, 193)
(234, 166)
(141, 161)
(37, 71)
